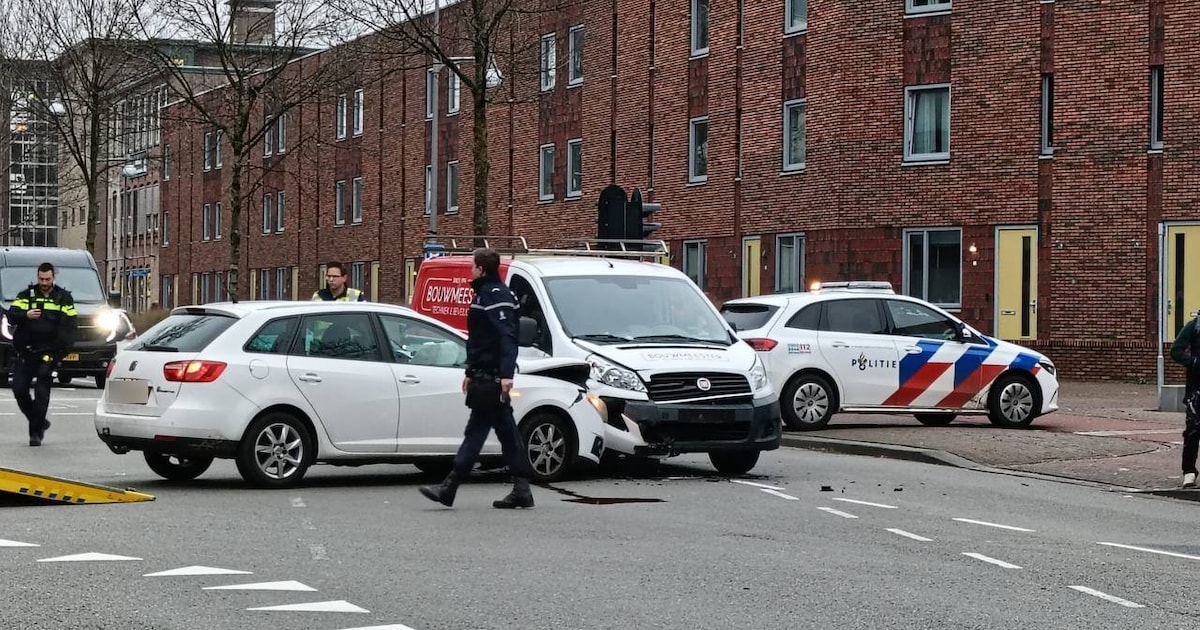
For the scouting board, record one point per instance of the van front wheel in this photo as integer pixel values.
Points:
(734, 462)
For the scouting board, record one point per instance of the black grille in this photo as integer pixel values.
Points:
(696, 432)
(686, 385)
(89, 331)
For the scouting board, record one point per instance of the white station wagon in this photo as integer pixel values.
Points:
(279, 386)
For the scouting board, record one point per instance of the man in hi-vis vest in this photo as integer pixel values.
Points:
(335, 286)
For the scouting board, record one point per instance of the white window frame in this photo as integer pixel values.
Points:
(281, 282)
(428, 189)
(790, 165)
(452, 187)
(206, 223)
(339, 117)
(453, 93)
(264, 284)
(339, 202)
(546, 172)
(700, 48)
(357, 128)
(218, 139)
(279, 211)
(575, 56)
(1047, 114)
(268, 134)
(924, 289)
(208, 150)
(910, 96)
(798, 247)
(795, 21)
(574, 163)
(429, 88)
(268, 211)
(547, 62)
(911, 7)
(280, 133)
(1157, 117)
(356, 192)
(165, 164)
(166, 228)
(217, 220)
(694, 176)
(694, 248)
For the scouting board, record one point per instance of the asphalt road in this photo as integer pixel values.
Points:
(810, 541)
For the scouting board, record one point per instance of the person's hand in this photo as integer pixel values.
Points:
(505, 385)
(466, 383)
(34, 313)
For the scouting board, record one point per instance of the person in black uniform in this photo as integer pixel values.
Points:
(491, 362)
(1186, 351)
(44, 325)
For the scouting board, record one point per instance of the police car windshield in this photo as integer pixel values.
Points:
(82, 282)
(651, 309)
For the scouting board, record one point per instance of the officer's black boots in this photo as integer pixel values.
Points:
(520, 497)
(37, 435)
(444, 492)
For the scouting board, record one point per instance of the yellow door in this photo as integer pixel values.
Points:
(1016, 283)
(751, 266)
(1183, 276)
(410, 279)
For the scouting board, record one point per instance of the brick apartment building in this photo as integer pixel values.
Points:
(1013, 161)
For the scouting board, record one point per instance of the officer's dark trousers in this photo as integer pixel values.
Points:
(481, 422)
(1191, 427)
(25, 373)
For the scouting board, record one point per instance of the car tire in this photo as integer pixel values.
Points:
(101, 379)
(733, 463)
(64, 379)
(435, 468)
(808, 402)
(176, 468)
(935, 419)
(283, 434)
(1013, 401)
(549, 442)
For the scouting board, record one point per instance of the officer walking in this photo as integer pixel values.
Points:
(1186, 352)
(44, 321)
(491, 362)
(335, 286)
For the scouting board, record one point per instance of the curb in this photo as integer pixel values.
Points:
(943, 458)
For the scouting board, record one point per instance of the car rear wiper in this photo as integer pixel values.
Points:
(153, 348)
(679, 338)
(602, 337)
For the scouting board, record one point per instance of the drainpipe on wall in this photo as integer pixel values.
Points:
(1162, 310)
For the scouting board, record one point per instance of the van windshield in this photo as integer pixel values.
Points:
(82, 282)
(618, 309)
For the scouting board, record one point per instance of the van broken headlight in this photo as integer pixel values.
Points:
(758, 378)
(613, 375)
(109, 321)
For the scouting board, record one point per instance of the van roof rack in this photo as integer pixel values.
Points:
(865, 286)
(599, 247)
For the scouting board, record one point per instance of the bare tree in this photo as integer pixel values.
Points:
(482, 43)
(77, 56)
(252, 49)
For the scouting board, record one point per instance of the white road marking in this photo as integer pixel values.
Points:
(1105, 596)
(985, 523)
(297, 502)
(836, 512)
(1148, 550)
(14, 543)
(195, 570)
(71, 413)
(287, 585)
(999, 563)
(780, 494)
(756, 485)
(1119, 433)
(390, 626)
(340, 605)
(87, 557)
(911, 535)
(878, 505)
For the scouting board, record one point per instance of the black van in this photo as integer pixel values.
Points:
(100, 325)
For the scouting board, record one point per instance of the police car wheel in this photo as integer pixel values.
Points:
(275, 451)
(808, 402)
(550, 445)
(175, 467)
(935, 419)
(1013, 402)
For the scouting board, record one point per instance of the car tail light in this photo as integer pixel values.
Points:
(762, 344)
(193, 371)
(112, 363)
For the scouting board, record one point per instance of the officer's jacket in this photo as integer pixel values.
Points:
(350, 295)
(54, 331)
(492, 328)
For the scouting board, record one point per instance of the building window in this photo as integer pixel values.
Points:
(699, 27)
(789, 263)
(205, 279)
(358, 112)
(926, 6)
(166, 163)
(796, 20)
(453, 93)
(451, 187)
(218, 139)
(1047, 114)
(268, 132)
(339, 118)
(205, 223)
(428, 189)
(339, 202)
(281, 133)
(264, 284)
(933, 266)
(546, 172)
(207, 150)
(575, 55)
(927, 123)
(1156, 108)
(268, 212)
(575, 168)
(695, 261)
(698, 150)
(429, 92)
(216, 226)
(357, 272)
(547, 62)
(281, 283)
(166, 229)
(356, 188)
(793, 136)
(279, 212)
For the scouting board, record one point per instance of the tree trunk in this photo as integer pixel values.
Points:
(91, 176)
(235, 219)
(479, 146)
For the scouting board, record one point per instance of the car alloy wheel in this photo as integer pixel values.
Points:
(279, 451)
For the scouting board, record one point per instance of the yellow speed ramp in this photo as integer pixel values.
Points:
(58, 490)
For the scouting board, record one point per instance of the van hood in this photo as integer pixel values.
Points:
(676, 357)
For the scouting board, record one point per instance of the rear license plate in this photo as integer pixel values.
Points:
(71, 357)
(134, 391)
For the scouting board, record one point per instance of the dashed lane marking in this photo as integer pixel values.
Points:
(1149, 550)
(836, 512)
(878, 505)
(756, 485)
(340, 605)
(1105, 596)
(780, 494)
(901, 532)
(999, 563)
(997, 525)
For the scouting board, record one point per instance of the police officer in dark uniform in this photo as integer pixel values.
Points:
(44, 321)
(491, 362)
(1186, 352)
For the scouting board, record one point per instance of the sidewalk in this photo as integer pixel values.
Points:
(1105, 434)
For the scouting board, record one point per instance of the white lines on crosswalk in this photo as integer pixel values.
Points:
(1105, 596)
(996, 525)
(340, 605)
(901, 532)
(999, 563)
(836, 512)
(288, 585)
(1149, 550)
(878, 505)
(780, 494)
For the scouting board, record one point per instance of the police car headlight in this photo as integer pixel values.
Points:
(1047, 365)
(613, 375)
(758, 377)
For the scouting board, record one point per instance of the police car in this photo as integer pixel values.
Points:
(860, 347)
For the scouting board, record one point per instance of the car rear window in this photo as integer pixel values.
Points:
(183, 333)
(748, 316)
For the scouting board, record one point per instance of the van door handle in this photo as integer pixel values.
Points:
(408, 378)
(840, 344)
(913, 350)
(309, 378)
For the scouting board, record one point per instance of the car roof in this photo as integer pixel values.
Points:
(550, 266)
(283, 307)
(807, 297)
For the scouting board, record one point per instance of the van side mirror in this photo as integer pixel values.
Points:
(527, 329)
(114, 299)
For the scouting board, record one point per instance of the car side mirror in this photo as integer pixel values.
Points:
(527, 329)
(114, 299)
(961, 332)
